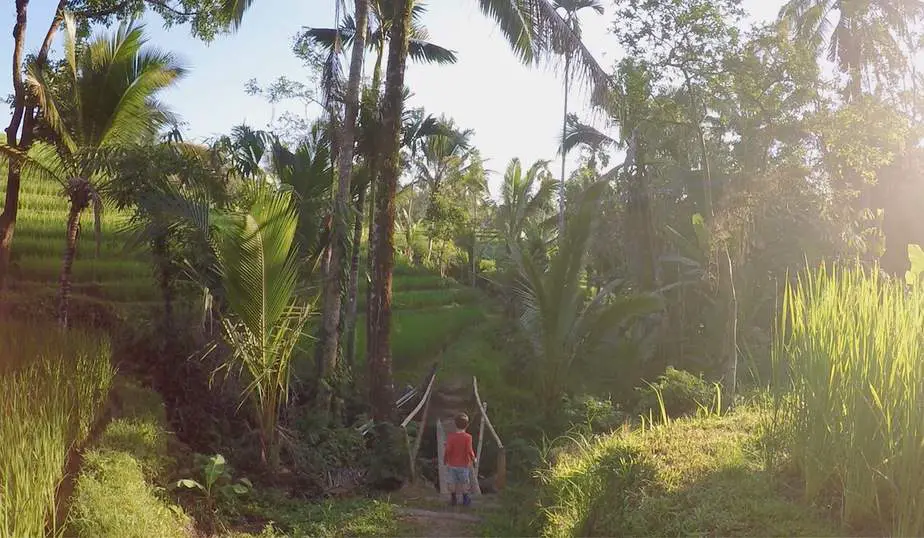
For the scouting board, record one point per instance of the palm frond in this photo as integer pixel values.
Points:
(422, 51)
(234, 11)
(258, 262)
(580, 134)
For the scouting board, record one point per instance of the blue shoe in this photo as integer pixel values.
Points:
(466, 500)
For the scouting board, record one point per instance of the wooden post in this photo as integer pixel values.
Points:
(407, 443)
(420, 433)
(501, 475)
(480, 441)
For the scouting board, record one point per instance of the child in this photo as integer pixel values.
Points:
(459, 457)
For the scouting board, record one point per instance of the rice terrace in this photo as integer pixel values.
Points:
(462, 268)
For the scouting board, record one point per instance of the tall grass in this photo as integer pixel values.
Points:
(850, 398)
(52, 384)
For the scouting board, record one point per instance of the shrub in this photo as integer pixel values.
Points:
(593, 414)
(682, 394)
(53, 386)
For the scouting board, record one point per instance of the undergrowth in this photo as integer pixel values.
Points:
(116, 495)
(694, 476)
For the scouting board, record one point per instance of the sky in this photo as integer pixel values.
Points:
(515, 110)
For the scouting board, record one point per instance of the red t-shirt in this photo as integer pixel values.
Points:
(459, 452)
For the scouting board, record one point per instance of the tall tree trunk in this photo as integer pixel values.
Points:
(11, 200)
(23, 116)
(373, 168)
(70, 252)
(160, 250)
(329, 345)
(381, 385)
(349, 325)
(723, 263)
(730, 342)
(564, 131)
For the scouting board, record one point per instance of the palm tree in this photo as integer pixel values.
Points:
(562, 325)
(258, 261)
(444, 152)
(857, 35)
(535, 30)
(419, 49)
(572, 9)
(307, 171)
(328, 348)
(104, 102)
(525, 200)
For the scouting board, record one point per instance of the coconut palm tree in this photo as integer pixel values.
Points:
(571, 9)
(858, 36)
(535, 31)
(103, 100)
(258, 261)
(525, 199)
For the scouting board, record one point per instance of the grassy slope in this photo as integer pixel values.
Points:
(692, 477)
(116, 276)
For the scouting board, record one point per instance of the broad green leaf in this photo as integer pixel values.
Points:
(189, 483)
(916, 257)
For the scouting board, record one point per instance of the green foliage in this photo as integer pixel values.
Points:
(54, 385)
(692, 477)
(217, 484)
(848, 390)
(339, 518)
(259, 274)
(677, 393)
(562, 325)
(591, 414)
(916, 259)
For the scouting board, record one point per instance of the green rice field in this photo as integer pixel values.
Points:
(116, 276)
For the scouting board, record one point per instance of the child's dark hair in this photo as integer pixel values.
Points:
(461, 421)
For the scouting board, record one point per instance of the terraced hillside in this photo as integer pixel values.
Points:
(115, 276)
(435, 318)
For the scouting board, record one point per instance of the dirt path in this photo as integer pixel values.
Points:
(425, 514)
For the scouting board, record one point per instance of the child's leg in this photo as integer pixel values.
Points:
(469, 487)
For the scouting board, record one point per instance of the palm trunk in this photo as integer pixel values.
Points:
(349, 325)
(70, 252)
(564, 132)
(23, 116)
(374, 166)
(329, 346)
(381, 384)
(159, 248)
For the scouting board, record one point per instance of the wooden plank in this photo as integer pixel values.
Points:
(426, 398)
(420, 433)
(480, 443)
(440, 453)
(485, 414)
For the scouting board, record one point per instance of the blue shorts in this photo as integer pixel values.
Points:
(459, 475)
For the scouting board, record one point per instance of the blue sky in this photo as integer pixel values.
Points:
(514, 110)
